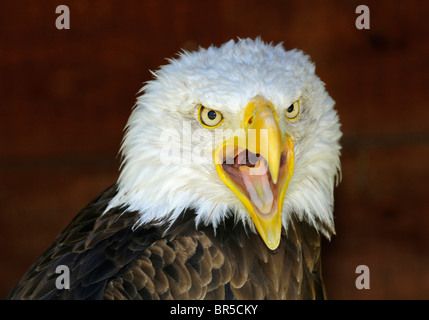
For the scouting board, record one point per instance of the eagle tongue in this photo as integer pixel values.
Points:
(258, 186)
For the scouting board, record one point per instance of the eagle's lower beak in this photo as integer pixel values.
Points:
(257, 165)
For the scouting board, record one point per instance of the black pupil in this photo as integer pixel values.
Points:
(211, 114)
(290, 109)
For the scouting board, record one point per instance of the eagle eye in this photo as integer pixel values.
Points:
(209, 118)
(293, 111)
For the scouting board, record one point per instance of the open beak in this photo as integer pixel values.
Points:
(257, 165)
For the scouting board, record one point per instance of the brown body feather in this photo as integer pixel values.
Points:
(110, 259)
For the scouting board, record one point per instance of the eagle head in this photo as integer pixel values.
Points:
(245, 130)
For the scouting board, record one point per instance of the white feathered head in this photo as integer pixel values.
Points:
(245, 129)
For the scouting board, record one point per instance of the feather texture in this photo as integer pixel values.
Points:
(110, 260)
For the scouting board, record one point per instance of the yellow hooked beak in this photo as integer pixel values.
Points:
(257, 164)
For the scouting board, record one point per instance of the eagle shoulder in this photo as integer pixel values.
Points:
(227, 264)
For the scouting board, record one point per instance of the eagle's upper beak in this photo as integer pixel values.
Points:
(257, 165)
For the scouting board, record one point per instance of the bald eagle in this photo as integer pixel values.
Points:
(230, 158)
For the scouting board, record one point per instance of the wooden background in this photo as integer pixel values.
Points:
(65, 96)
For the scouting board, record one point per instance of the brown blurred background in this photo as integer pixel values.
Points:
(65, 96)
